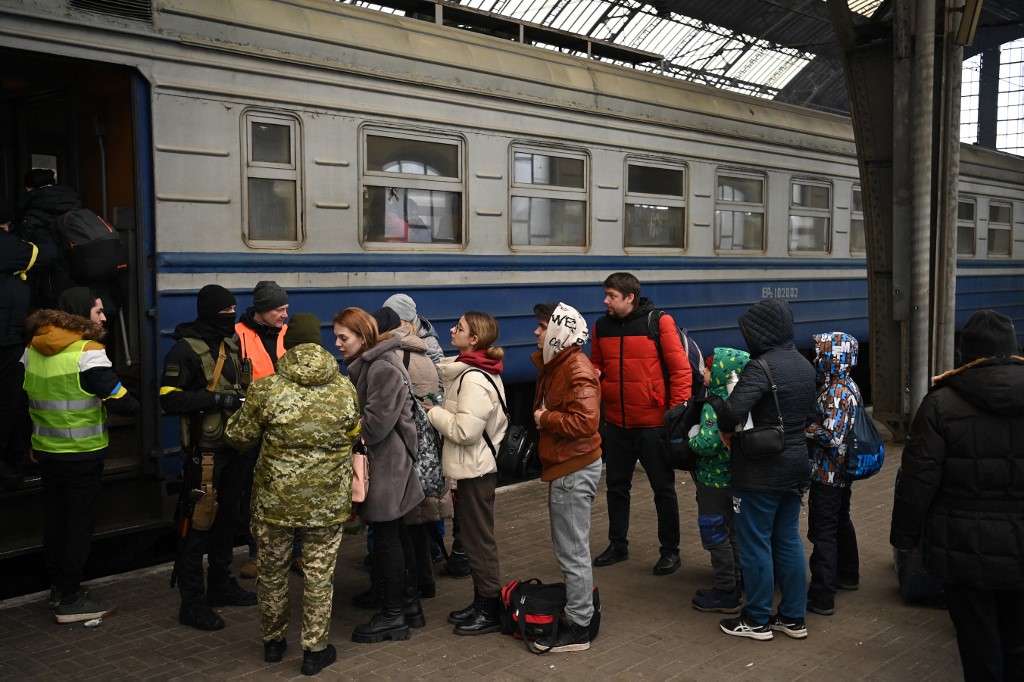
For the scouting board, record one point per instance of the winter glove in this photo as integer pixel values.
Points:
(229, 402)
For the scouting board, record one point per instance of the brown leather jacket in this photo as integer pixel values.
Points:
(569, 390)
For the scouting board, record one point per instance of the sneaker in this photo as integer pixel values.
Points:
(716, 601)
(82, 608)
(741, 627)
(53, 601)
(571, 637)
(250, 570)
(230, 594)
(791, 627)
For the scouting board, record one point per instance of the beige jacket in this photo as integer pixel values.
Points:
(468, 410)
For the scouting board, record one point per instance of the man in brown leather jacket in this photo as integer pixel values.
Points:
(567, 409)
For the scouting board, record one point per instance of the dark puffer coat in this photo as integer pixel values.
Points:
(767, 327)
(960, 497)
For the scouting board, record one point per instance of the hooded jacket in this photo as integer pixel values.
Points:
(632, 378)
(55, 332)
(425, 330)
(305, 419)
(839, 404)
(569, 392)
(389, 431)
(470, 406)
(768, 329)
(713, 469)
(960, 496)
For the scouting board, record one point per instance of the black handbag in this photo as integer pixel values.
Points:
(761, 442)
(514, 455)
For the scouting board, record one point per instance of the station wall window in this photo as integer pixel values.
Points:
(810, 217)
(739, 212)
(858, 244)
(655, 213)
(549, 198)
(272, 191)
(999, 233)
(966, 225)
(413, 188)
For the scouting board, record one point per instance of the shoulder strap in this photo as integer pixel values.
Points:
(406, 356)
(775, 388)
(221, 356)
(202, 351)
(655, 335)
(487, 439)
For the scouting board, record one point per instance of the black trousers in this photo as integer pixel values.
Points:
(70, 494)
(394, 561)
(622, 449)
(15, 424)
(834, 557)
(989, 632)
(217, 542)
(419, 536)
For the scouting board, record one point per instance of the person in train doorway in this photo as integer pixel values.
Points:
(635, 396)
(960, 496)
(18, 258)
(204, 381)
(567, 411)
(38, 209)
(261, 331)
(70, 385)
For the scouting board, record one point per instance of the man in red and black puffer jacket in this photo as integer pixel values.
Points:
(635, 398)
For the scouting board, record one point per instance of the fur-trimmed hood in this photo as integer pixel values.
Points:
(54, 330)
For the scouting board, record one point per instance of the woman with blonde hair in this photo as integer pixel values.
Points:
(471, 421)
(389, 432)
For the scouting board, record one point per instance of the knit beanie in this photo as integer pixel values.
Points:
(267, 296)
(987, 334)
(78, 301)
(387, 320)
(403, 305)
(302, 328)
(212, 299)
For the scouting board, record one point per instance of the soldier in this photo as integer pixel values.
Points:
(204, 381)
(304, 418)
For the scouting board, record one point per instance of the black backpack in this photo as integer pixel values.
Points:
(693, 353)
(91, 248)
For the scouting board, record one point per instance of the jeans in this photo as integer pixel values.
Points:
(394, 561)
(835, 554)
(569, 500)
(768, 528)
(70, 494)
(989, 632)
(622, 448)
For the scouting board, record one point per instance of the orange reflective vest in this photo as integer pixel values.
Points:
(252, 348)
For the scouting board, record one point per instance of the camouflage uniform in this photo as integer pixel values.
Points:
(305, 418)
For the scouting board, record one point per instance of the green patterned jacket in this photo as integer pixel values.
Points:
(305, 419)
(713, 458)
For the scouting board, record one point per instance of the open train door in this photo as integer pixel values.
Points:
(90, 123)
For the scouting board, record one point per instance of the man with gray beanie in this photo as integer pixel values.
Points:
(261, 332)
(204, 381)
(961, 480)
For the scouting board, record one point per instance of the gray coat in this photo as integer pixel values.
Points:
(389, 431)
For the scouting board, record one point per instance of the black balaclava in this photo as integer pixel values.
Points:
(211, 300)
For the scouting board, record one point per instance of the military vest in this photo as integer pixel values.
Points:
(65, 417)
(208, 432)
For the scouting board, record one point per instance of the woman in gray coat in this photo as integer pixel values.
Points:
(388, 429)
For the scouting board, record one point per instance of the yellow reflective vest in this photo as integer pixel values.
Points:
(65, 417)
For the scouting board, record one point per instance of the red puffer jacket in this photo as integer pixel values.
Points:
(632, 380)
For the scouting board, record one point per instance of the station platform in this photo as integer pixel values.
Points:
(648, 631)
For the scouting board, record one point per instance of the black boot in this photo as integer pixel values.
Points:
(485, 619)
(412, 610)
(315, 661)
(388, 624)
(464, 615)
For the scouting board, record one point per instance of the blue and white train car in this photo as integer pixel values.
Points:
(350, 154)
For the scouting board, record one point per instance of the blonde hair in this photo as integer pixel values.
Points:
(485, 328)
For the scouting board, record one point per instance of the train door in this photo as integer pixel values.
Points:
(89, 123)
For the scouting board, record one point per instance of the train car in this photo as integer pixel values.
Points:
(350, 154)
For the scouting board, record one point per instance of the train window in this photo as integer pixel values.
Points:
(739, 213)
(549, 199)
(655, 213)
(412, 189)
(272, 192)
(999, 241)
(966, 210)
(810, 221)
(857, 241)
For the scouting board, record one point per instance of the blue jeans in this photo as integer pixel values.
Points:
(569, 500)
(768, 528)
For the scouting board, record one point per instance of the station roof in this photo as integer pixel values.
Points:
(784, 50)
